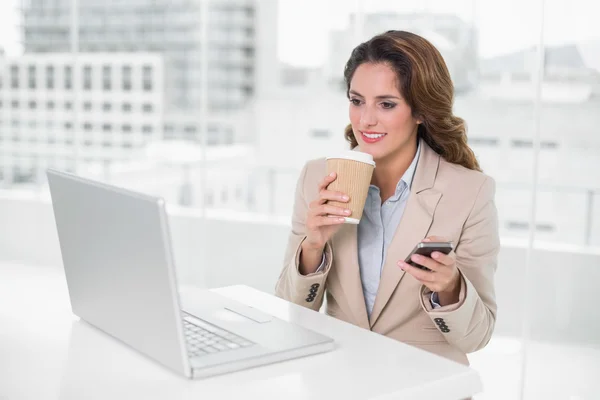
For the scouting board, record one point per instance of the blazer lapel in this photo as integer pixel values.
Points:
(347, 272)
(413, 227)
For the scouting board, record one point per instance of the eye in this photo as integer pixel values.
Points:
(355, 102)
(387, 105)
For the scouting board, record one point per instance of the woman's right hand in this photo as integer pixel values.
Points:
(324, 220)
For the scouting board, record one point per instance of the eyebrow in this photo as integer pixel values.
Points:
(385, 96)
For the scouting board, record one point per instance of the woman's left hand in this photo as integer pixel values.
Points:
(444, 277)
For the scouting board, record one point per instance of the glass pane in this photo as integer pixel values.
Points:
(562, 320)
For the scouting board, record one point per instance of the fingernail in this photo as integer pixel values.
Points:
(416, 257)
(344, 197)
(342, 219)
(435, 255)
(347, 211)
(332, 174)
(426, 240)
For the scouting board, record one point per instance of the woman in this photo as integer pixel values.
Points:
(427, 185)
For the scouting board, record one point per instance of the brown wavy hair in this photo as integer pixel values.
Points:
(426, 86)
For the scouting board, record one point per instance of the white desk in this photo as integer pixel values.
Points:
(46, 353)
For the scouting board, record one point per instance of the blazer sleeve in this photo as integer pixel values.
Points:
(468, 324)
(304, 290)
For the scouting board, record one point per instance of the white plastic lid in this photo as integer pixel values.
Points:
(356, 156)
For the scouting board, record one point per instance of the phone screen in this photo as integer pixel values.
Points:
(426, 249)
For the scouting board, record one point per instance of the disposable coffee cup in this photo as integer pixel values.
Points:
(354, 170)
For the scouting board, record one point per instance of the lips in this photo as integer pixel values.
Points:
(372, 137)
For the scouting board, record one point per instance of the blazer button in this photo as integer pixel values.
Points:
(313, 291)
(445, 330)
(438, 320)
(309, 299)
(315, 286)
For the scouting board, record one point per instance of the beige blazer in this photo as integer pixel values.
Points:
(445, 200)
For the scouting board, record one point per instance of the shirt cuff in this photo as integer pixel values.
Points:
(323, 264)
(434, 300)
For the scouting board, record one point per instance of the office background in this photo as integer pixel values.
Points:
(215, 105)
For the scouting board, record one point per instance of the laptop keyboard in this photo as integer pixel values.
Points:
(203, 338)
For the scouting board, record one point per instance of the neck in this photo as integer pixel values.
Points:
(390, 170)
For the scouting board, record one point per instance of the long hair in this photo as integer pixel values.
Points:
(426, 86)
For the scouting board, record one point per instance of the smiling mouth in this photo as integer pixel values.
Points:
(372, 137)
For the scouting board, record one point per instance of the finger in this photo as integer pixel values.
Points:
(426, 262)
(327, 180)
(325, 221)
(326, 209)
(326, 195)
(436, 239)
(419, 274)
(444, 259)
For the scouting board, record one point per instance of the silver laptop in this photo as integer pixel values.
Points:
(119, 267)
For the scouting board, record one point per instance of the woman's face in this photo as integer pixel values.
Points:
(381, 120)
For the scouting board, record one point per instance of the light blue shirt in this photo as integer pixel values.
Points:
(377, 228)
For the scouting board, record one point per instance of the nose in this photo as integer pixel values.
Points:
(367, 118)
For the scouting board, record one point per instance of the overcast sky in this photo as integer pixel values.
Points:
(504, 26)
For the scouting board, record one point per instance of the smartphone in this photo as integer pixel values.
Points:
(425, 249)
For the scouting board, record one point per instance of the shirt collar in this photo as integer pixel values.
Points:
(408, 176)
(410, 172)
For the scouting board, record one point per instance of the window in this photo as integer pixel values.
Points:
(68, 77)
(127, 145)
(87, 106)
(106, 143)
(542, 227)
(126, 107)
(147, 129)
(549, 145)
(107, 127)
(14, 76)
(147, 108)
(87, 77)
(68, 126)
(14, 104)
(147, 78)
(517, 225)
(68, 105)
(49, 77)
(50, 105)
(106, 77)
(320, 133)
(106, 106)
(32, 104)
(126, 128)
(87, 126)
(483, 141)
(191, 129)
(31, 76)
(522, 143)
(126, 78)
